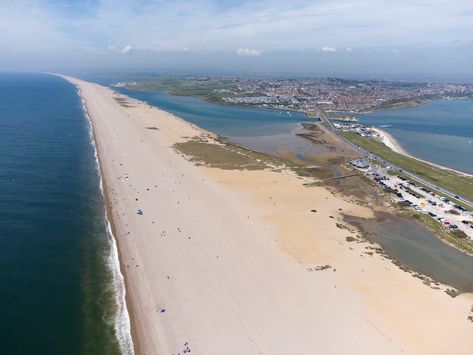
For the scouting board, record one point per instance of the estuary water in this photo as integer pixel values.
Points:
(265, 130)
(59, 280)
(440, 131)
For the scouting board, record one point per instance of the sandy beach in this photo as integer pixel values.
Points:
(250, 261)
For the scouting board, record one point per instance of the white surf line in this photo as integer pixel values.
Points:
(121, 324)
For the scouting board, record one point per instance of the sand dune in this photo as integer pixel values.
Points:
(226, 261)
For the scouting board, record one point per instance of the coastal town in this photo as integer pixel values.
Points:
(338, 97)
(341, 95)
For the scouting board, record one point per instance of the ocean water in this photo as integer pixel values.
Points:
(60, 289)
(440, 131)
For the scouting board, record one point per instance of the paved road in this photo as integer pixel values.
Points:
(395, 167)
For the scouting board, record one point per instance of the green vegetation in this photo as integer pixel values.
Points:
(229, 156)
(456, 183)
(408, 102)
(219, 156)
(206, 88)
(184, 86)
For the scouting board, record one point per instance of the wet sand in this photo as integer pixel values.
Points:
(250, 261)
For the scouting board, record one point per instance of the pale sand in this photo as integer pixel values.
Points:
(228, 255)
(393, 144)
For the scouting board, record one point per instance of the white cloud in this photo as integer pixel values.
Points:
(349, 49)
(248, 52)
(395, 51)
(123, 50)
(328, 49)
(56, 32)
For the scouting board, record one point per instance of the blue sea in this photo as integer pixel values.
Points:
(61, 291)
(440, 131)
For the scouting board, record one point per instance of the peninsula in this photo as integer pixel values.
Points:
(243, 256)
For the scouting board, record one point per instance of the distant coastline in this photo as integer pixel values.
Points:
(309, 95)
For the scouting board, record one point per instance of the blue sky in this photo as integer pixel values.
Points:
(320, 36)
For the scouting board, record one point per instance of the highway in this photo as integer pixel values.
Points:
(412, 176)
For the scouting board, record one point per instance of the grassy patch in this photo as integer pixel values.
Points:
(211, 89)
(233, 157)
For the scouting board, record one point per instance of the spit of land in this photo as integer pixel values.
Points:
(226, 251)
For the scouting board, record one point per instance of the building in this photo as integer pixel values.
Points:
(360, 163)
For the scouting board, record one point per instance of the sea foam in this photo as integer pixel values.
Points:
(121, 320)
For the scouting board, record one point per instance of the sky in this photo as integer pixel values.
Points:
(323, 37)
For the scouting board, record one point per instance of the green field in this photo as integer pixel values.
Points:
(456, 183)
(207, 88)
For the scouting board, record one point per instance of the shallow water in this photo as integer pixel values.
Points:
(57, 289)
(414, 246)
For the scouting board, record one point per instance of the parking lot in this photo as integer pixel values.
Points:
(404, 191)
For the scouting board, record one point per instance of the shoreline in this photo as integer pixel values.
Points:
(207, 285)
(125, 329)
(394, 145)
